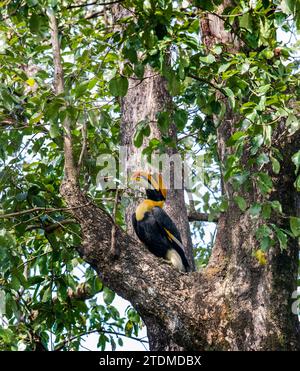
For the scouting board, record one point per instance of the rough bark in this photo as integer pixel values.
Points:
(233, 304)
(257, 298)
(144, 100)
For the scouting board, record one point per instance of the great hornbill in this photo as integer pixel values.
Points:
(153, 225)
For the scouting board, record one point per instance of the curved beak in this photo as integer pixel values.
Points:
(137, 176)
(155, 180)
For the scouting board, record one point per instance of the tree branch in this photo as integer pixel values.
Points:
(84, 146)
(43, 209)
(137, 275)
(69, 166)
(100, 331)
(207, 82)
(93, 3)
(115, 252)
(52, 227)
(94, 15)
(195, 216)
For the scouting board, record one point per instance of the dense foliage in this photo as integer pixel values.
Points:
(47, 292)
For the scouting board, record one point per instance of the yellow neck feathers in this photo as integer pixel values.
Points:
(146, 205)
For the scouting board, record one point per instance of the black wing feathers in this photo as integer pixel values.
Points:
(165, 221)
(152, 231)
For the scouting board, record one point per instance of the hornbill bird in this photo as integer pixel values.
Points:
(153, 225)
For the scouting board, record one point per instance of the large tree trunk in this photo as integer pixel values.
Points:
(145, 98)
(255, 299)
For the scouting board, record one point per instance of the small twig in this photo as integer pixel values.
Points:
(84, 146)
(115, 251)
(93, 3)
(33, 258)
(143, 78)
(94, 15)
(207, 82)
(100, 331)
(43, 209)
(196, 216)
(52, 227)
(64, 227)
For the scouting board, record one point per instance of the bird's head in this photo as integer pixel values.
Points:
(155, 188)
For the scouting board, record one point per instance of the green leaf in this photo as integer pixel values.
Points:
(263, 234)
(262, 159)
(208, 59)
(31, 3)
(204, 4)
(7, 335)
(295, 226)
(108, 295)
(245, 67)
(224, 67)
(275, 165)
(93, 118)
(102, 342)
(242, 204)
(281, 236)
(263, 89)
(217, 49)
(147, 130)
(118, 86)
(133, 315)
(35, 118)
(245, 21)
(255, 209)
(180, 118)
(297, 183)
(296, 161)
(139, 70)
(97, 284)
(264, 182)
(128, 328)
(235, 137)
(174, 84)
(266, 211)
(2, 303)
(276, 205)
(131, 54)
(293, 123)
(257, 142)
(163, 121)
(266, 243)
(35, 23)
(35, 280)
(92, 83)
(81, 89)
(138, 138)
(47, 296)
(54, 131)
(231, 96)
